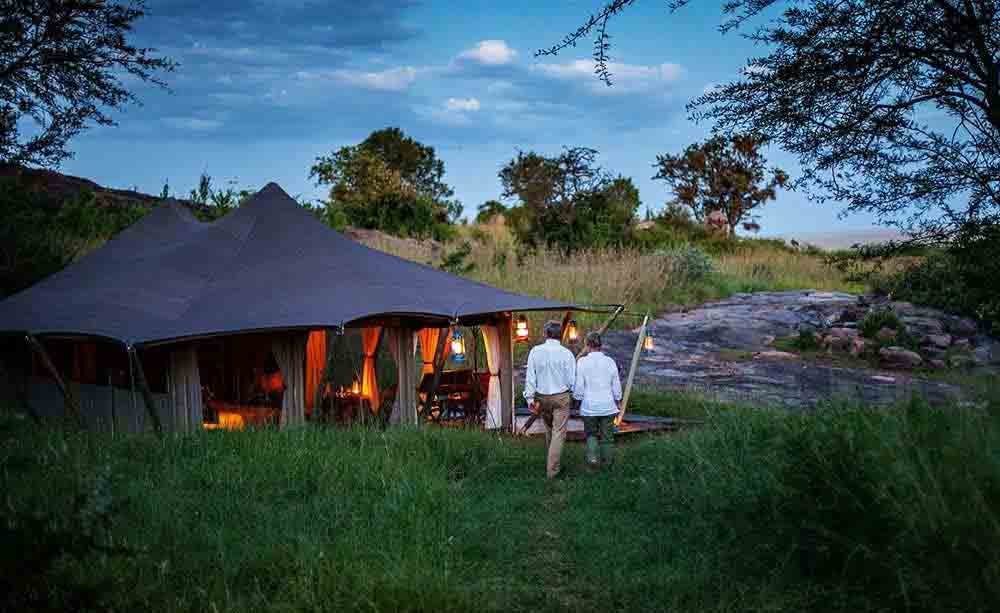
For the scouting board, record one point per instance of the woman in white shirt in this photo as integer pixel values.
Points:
(599, 390)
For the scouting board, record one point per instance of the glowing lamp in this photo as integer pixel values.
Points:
(457, 346)
(356, 387)
(572, 332)
(521, 328)
(647, 343)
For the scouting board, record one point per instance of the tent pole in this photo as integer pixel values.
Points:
(147, 395)
(438, 367)
(506, 367)
(631, 370)
(70, 399)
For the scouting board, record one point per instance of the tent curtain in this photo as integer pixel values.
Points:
(428, 344)
(315, 364)
(491, 338)
(401, 344)
(185, 389)
(290, 354)
(369, 381)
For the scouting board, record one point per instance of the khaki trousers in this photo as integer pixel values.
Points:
(555, 414)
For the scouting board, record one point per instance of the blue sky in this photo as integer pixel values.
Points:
(265, 86)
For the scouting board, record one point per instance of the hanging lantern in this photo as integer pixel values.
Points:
(521, 328)
(572, 332)
(647, 343)
(356, 387)
(457, 346)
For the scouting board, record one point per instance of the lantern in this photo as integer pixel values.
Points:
(356, 388)
(457, 346)
(521, 328)
(647, 343)
(572, 332)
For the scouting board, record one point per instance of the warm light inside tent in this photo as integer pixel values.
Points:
(647, 343)
(356, 387)
(572, 332)
(521, 328)
(457, 346)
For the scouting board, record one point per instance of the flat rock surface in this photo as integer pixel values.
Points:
(691, 349)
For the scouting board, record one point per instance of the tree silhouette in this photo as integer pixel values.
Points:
(62, 64)
(891, 106)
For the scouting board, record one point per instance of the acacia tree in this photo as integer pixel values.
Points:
(568, 200)
(721, 174)
(891, 106)
(62, 65)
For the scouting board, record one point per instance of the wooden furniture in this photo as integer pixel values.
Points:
(460, 395)
(233, 416)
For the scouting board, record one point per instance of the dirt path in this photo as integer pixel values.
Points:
(722, 349)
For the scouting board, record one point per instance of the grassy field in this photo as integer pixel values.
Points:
(646, 281)
(843, 509)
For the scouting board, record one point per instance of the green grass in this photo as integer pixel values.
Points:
(841, 509)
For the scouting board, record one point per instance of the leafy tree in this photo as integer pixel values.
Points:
(389, 182)
(490, 209)
(892, 106)
(567, 200)
(724, 174)
(62, 65)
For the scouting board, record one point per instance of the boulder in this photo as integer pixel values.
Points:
(962, 343)
(962, 326)
(898, 357)
(931, 351)
(936, 364)
(962, 360)
(941, 341)
(842, 333)
(985, 355)
(923, 326)
(885, 335)
(901, 308)
(858, 346)
(767, 341)
(775, 355)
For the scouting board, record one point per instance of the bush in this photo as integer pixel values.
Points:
(876, 319)
(961, 279)
(688, 263)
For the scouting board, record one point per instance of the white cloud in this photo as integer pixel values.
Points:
(195, 124)
(391, 79)
(490, 52)
(462, 104)
(625, 77)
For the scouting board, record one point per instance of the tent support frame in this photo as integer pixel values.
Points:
(147, 394)
(72, 405)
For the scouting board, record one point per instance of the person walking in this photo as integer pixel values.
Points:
(548, 386)
(598, 387)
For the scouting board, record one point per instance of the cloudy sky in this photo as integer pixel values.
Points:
(265, 86)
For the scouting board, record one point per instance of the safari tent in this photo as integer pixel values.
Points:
(132, 335)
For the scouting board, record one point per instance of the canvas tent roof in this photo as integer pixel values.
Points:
(270, 264)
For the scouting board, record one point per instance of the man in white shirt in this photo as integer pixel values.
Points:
(599, 390)
(548, 382)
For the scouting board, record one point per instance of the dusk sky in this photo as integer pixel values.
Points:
(264, 87)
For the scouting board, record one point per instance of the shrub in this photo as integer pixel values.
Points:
(806, 341)
(689, 263)
(876, 319)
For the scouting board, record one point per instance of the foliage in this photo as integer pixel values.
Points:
(891, 107)
(721, 174)
(806, 341)
(690, 264)
(38, 239)
(486, 211)
(567, 201)
(842, 509)
(389, 182)
(62, 65)
(961, 279)
(456, 262)
(213, 203)
(876, 319)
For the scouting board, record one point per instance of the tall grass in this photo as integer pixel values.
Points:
(843, 509)
(646, 281)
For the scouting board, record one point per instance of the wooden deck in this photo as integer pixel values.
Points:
(633, 424)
